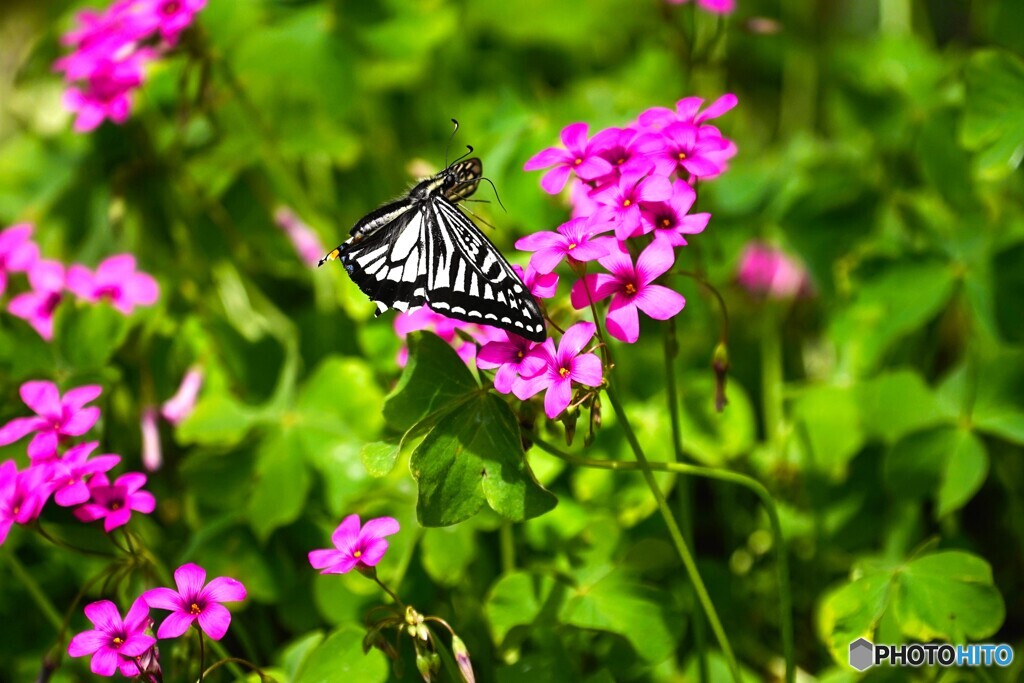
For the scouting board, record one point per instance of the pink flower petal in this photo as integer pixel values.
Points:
(575, 338)
(43, 446)
(116, 518)
(347, 533)
(17, 428)
(574, 137)
(43, 398)
(586, 370)
(81, 422)
(86, 643)
(557, 398)
(104, 662)
(162, 598)
(554, 180)
(379, 528)
(546, 157)
(142, 289)
(136, 644)
(660, 303)
(373, 552)
(657, 258)
(622, 321)
(214, 620)
(81, 282)
(174, 625)
(76, 398)
(225, 589)
(319, 559)
(104, 615)
(189, 579)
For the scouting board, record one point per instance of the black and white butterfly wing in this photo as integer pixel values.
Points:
(471, 280)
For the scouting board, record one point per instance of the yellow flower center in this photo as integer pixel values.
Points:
(572, 246)
(666, 222)
(578, 161)
(682, 156)
(630, 289)
(627, 202)
(563, 371)
(118, 642)
(357, 554)
(194, 609)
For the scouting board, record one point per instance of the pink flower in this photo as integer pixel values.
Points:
(18, 253)
(574, 240)
(22, 495)
(115, 643)
(152, 454)
(561, 368)
(715, 6)
(106, 92)
(621, 200)
(700, 151)
(306, 242)
(194, 601)
(117, 280)
(174, 16)
(769, 272)
(178, 407)
(540, 286)
(70, 473)
(624, 149)
(687, 111)
(579, 157)
(355, 545)
(631, 289)
(56, 417)
(670, 220)
(511, 356)
(37, 307)
(114, 503)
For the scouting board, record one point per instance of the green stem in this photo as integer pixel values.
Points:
(676, 534)
(684, 491)
(508, 548)
(387, 590)
(234, 661)
(202, 655)
(782, 561)
(35, 590)
(772, 380)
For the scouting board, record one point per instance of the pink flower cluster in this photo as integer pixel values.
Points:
(355, 545)
(74, 478)
(768, 272)
(123, 644)
(110, 51)
(115, 280)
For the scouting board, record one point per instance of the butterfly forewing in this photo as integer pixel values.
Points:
(421, 249)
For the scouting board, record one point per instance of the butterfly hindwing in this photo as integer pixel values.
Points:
(421, 249)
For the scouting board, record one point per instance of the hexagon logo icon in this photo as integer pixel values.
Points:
(862, 654)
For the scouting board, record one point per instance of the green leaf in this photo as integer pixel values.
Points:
(991, 394)
(473, 455)
(218, 420)
(831, 420)
(282, 482)
(434, 378)
(516, 599)
(888, 307)
(379, 457)
(896, 403)
(447, 552)
(617, 603)
(710, 436)
(947, 463)
(993, 120)
(87, 335)
(946, 595)
(340, 658)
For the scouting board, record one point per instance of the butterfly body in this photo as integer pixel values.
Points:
(422, 250)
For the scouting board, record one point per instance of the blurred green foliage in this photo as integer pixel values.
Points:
(880, 143)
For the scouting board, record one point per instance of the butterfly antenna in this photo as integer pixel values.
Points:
(450, 138)
(469, 149)
(495, 193)
(477, 216)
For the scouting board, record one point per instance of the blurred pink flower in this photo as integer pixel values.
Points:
(766, 271)
(579, 157)
(560, 368)
(670, 220)
(106, 93)
(174, 16)
(631, 289)
(115, 279)
(576, 240)
(687, 111)
(195, 600)
(37, 306)
(305, 240)
(56, 417)
(511, 356)
(22, 495)
(178, 407)
(69, 475)
(355, 545)
(18, 253)
(714, 6)
(114, 643)
(114, 503)
(424, 318)
(621, 200)
(152, 453)
(540, 286)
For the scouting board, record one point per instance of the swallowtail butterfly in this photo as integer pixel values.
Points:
(421, 249)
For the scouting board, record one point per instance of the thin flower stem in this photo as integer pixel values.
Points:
(676, 534)
(772, 380)
(684, 490)
(35, 590)
(202, 655)
(38, 528)
(398, 601)
(237, 660)
(782, 561)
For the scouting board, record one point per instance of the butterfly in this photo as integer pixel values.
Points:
(422, 250)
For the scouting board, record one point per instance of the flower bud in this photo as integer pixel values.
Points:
(462, 659)
(720, 364)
